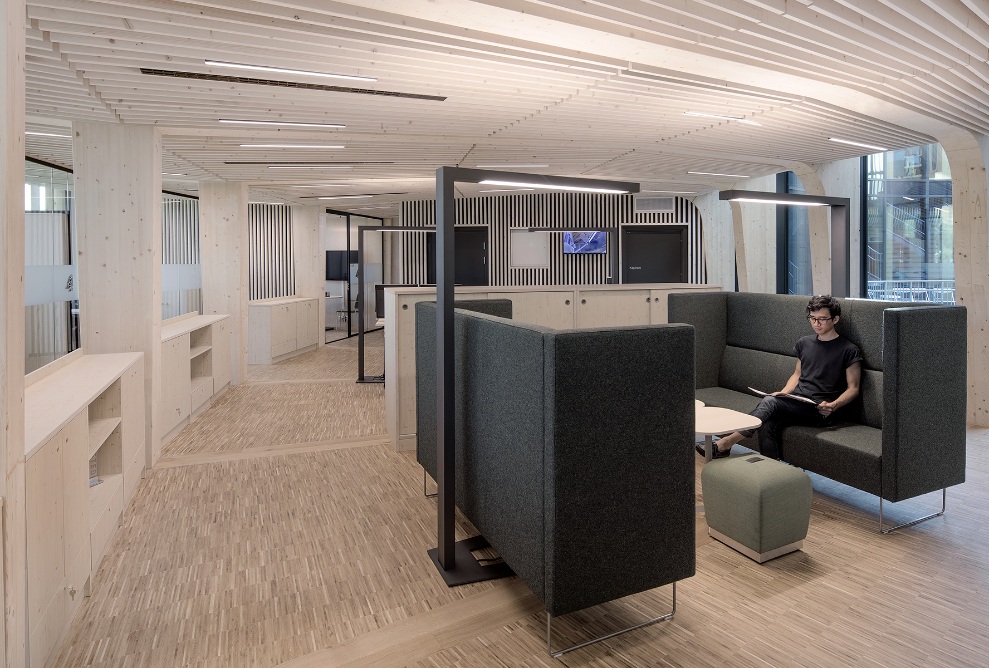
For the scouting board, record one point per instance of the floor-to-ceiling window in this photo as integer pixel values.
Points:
(907, 225)
(793, 240)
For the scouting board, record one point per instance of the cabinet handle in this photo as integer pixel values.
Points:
(648, 300)
(71, 589)
(567, 302)
(405, 307)
(583, 301)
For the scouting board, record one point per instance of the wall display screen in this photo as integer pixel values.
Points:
(585, 242)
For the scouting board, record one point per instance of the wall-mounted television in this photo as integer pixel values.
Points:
(338, 264)
(585, 242)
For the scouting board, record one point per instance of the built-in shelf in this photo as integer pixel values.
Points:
(199, 350)
(100, 495)
(199, 381)
(100, 430)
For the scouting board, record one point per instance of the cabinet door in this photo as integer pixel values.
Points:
(132, 428)
(547, 309)
(283, 326)
(306, 322)
(176, 382)
(613, 308)
(221, 354)
(45, 498)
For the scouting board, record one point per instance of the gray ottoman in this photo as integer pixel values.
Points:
(756, 505)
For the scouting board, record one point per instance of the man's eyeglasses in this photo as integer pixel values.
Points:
(819, 321)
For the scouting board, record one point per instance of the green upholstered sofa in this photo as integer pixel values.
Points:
(574, 451)
(903, 437)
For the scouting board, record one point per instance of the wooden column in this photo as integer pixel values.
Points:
(118, 213)
(755, 239)
(223, 241)
(13, 584)
(968, 156)
(310, 260)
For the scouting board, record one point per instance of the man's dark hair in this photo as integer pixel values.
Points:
(818, 302)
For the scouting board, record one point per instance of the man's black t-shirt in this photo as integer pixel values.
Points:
(822, 366)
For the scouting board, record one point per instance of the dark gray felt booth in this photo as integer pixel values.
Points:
(903, 437)
(574, 450)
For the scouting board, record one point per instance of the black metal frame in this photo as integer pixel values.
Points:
(840, 234)
(463, 568)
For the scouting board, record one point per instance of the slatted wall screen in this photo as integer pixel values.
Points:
(546, 210)
(272, 262)
(180, 246)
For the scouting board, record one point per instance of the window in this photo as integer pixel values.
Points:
(181, 271)
(907, 223)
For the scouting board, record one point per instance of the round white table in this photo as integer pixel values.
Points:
(711, 421)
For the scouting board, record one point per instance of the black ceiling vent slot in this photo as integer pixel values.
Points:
(288, 84)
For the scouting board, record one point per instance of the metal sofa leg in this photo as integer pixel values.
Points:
(558, 653)
(885, 530)
(428, 496)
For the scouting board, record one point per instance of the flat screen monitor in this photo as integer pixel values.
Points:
(338, 264)
(585, 242)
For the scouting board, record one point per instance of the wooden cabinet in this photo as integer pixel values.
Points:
(547, 309)
(84, 456)
(281, 328)
(612, 308)
(195, 361)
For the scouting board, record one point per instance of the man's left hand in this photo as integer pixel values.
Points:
(826, 408)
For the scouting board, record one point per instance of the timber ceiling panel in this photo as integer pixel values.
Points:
(587, 88)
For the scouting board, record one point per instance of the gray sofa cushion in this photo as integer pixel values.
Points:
(848, 453)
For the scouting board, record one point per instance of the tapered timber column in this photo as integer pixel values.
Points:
(968, 156)
(310, 260)
(13, 584)
(223, 241)
(118, 217)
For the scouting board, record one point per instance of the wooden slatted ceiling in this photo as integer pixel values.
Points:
(588, 88)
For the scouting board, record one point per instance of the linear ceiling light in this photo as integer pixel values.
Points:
(519, 166)
(776, 201)
(506, 190)
(736, 176)
(737, 119)
(167, 174)
(671, 192)
(583, 189)
(48, 134)
(282, 70)
(290, 123)
(855, 143)
(327, 146)
(347, 197)
(310, 167)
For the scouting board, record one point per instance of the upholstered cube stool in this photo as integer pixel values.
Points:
(756, 505)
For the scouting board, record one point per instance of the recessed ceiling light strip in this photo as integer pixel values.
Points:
(584, 189)
(855, 143)
(48, 134)
(305, 146)
(734, 176)
(288, 123)
(737, 119)
(282, 70)
(510, 166)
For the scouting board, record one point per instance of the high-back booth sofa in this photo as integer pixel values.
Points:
(904, 436)
(574, 450)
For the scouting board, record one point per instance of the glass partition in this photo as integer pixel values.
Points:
(51, 299)
(181, 271)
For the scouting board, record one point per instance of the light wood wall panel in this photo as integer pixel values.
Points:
(223, 242)
(546, 210)
(117, 175)
(755, 239)
(13, 566)
(180, 245)
(310, 260)
(272, 264)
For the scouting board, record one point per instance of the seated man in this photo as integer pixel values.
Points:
(829, 370)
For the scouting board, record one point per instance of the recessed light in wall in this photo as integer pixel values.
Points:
(310, 167)
(735, 176)
(737, 119)
(855, 143)
(288, 123)
(347, 197)
(507, 190)
(282, 70)
(327, 146)
(510, 166)
(48, 134)
(584, 189)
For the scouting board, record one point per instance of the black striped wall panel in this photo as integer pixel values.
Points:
(271, 270)
(545, 210)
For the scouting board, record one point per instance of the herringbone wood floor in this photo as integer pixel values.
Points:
(279, 527)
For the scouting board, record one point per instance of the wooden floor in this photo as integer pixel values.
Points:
(281, 528)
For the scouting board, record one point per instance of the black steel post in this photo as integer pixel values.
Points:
(445, 378)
